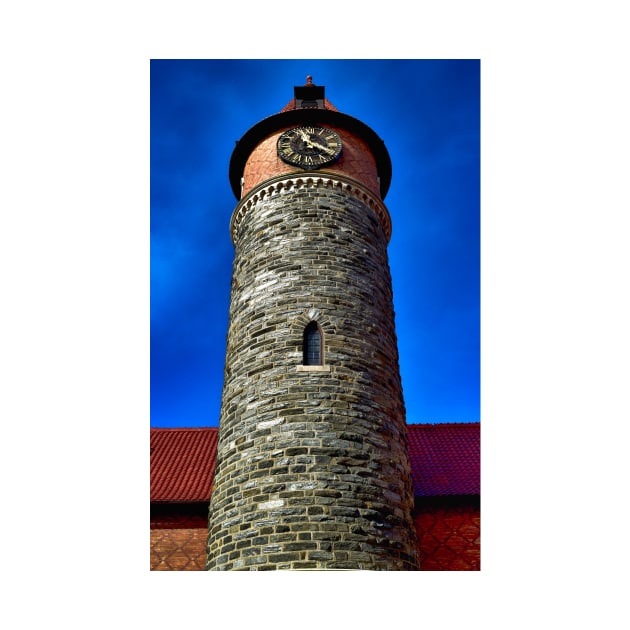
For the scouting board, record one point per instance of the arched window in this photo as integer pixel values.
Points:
(312, 345)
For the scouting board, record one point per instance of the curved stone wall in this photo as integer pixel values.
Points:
(312, 467)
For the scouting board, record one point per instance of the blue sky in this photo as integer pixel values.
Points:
(428, 114)
(75, 247)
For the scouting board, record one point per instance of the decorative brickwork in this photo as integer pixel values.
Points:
(178, 535)
(182, 549)
(449, 533)
(312, 465)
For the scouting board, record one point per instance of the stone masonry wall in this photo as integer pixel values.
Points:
(312, 466)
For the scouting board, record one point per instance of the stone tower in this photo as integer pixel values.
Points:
(312, 467)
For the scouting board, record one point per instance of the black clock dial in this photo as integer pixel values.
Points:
(309, 147)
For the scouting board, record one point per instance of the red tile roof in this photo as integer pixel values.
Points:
(445, 458)
(182, 464)
(444, 461)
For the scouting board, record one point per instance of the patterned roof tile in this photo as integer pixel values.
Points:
(182, 464)
(445, 458)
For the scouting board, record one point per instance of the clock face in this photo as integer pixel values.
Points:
(309, 147)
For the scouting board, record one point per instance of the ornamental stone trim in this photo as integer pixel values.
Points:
(276, 186)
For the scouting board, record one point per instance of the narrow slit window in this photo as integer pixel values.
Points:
(312, 345)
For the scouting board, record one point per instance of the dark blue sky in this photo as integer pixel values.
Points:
(427, 112)
(555, 266)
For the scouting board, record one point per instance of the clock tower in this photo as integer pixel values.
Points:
(312, 467)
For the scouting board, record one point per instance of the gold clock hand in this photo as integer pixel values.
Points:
(323, 148)
(316, 145)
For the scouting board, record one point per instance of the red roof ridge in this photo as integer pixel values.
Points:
(184, 428)
(443, 424)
